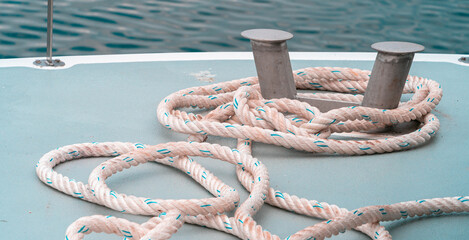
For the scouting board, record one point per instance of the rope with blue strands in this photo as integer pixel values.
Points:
(237, 110)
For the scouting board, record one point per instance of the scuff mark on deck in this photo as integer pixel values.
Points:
(204, 76)
(443, 114)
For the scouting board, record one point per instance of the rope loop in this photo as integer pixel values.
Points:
(236, 109)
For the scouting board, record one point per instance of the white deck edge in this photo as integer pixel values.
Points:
(71, 61)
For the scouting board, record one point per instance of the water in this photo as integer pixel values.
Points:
(84, 27)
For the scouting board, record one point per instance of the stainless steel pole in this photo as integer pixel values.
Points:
(50, 13)
(49, 62)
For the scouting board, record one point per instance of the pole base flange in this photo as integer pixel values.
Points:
(48, 63)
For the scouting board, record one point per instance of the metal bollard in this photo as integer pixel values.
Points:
(276, 80)
(389, 73)
(272, 62)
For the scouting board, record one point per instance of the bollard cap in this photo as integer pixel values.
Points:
(397, 47)
(267, 35)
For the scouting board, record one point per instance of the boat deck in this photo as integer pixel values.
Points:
(110, 99)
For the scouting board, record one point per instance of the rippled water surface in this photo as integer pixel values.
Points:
(149, 26)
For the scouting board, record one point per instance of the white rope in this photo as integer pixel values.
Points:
(237, 110)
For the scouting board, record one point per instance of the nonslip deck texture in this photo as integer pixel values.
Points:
(43, 110)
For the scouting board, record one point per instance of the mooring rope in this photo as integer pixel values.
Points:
(237, 110)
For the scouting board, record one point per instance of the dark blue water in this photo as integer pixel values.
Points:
(150, 26)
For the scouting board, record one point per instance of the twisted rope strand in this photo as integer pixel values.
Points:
(237, 110)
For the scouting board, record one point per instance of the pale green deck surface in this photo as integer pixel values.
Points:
(42, 110)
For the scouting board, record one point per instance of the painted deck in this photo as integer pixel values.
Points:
(110, 99)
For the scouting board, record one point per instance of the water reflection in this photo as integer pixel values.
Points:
(117, 26)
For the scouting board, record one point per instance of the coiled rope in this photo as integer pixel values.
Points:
(237, 110)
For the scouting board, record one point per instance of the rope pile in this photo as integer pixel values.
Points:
(237, 110)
